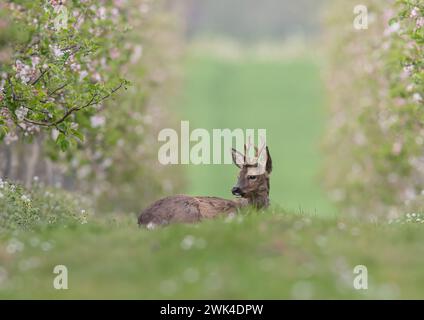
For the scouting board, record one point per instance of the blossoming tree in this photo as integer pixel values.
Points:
(59, 120)
(376, 131)
(62, 65)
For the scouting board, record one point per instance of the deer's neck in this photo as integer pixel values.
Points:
(260, 199)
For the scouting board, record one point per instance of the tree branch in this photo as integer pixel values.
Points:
(11, 88)
(57, 89)
(40, 76)
(91, 102)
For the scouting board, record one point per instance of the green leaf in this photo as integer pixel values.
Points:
(62, 142)
(77, 134)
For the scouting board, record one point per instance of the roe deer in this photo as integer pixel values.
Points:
(252, 188)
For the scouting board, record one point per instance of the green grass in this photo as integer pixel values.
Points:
(255, 255)
(278, 254)
(284, 97)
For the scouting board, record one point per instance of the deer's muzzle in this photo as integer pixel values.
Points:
(236, 191)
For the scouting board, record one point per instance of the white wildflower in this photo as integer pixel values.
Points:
(417, 97)
(46, 246)
(14, 246)
(191, 275)
(168, 287)
(25, 198)
(187, 242)
(230, 217)
(151, 226)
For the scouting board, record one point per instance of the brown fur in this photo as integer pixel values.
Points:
(255, 191)
(188, 209)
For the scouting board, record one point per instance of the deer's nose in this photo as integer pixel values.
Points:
(236, 191)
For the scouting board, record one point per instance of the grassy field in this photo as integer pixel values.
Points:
(300, 252)
(255, 255)
(283, 96)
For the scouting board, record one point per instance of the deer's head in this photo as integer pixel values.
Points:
(253, 179)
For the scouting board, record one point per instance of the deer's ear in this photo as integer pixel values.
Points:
(268, 161)
(238, 158)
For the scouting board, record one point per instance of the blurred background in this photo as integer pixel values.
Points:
(253, 65)
(250, 21)
(342, 106)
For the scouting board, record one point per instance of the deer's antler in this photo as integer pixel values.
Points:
(263, 145)
(247, 153)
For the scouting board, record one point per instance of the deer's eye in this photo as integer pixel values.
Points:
(251, 177)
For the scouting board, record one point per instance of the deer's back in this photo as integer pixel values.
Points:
(186, 209)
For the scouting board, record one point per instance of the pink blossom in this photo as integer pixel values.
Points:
(83, 74)
(397, 148)
(21, 112)
(399, 101)
(115, 12)
(10, 138)
(137, 53)
(97, 121)
(57, 52)
(75, 67)
(392, 29)
(408, 69)
(114, 53)
(102, 13)
(35, 61)
(144, 8)
(55, 3)
(414, 12)
(24, 72)
(97, 77)
(119, 3)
